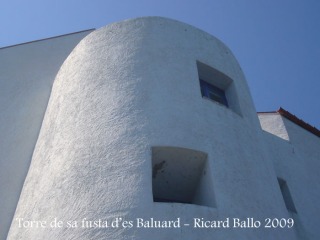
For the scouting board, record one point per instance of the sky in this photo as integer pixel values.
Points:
(277, 42)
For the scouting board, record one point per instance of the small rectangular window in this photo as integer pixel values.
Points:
(218, 87)
(286, 195)
(212, 92)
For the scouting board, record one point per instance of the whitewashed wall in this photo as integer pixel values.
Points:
(128, 87)
(27, 72)
(296, 160)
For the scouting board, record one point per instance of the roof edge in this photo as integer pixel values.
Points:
(48, 38)
(299, 121)
(296, 120)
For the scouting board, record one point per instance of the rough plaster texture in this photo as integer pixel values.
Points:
(27, 72)
(297, 162)
(124, 89)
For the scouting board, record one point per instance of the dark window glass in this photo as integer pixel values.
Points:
(212, 92)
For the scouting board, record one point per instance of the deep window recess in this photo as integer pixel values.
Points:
(212, 92)
(181, 175)
(286, 195)
(218, 87)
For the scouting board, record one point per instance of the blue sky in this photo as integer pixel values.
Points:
(276, 42)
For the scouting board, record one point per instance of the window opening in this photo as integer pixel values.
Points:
(181, 175)
(286, 195)
(213, 93)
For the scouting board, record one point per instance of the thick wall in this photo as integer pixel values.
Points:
(126, 88)
(27, 72)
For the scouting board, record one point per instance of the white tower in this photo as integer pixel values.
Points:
(149, 118)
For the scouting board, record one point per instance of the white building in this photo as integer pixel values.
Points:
(147, 119)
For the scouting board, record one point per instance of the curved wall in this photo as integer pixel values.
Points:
(129, 87)
(27, 72)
